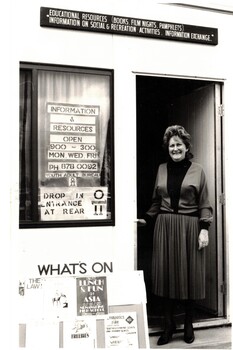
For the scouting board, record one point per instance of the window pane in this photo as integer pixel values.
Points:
(74, 156)
(25, 145)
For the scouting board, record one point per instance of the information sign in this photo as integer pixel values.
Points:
(72, 142)
(72, 156)
(115, 24)
(73, 203)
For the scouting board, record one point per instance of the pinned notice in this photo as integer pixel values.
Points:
(121, 330)
(92, 296)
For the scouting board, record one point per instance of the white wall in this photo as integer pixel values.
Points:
(126, 55)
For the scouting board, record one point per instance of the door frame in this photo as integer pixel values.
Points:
(222, 249)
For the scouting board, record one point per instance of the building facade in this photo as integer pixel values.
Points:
(97, 84)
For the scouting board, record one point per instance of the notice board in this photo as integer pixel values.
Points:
(91, 312)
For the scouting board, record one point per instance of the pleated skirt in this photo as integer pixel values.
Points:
(178, 267)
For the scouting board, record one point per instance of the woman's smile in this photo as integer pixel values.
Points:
(177, 149)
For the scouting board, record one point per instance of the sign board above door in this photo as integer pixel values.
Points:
(115, 24)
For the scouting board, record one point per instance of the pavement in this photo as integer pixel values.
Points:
(208, 338)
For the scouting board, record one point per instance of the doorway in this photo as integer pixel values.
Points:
(195, 104)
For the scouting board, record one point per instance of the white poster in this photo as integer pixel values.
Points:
(31, 302)
(80, 333)
(73, 141)
(59, 298)
(121, 330)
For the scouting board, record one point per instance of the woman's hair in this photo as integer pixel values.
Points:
(178, 130)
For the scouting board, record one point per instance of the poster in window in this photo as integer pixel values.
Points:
(73, 189)
(66, 147)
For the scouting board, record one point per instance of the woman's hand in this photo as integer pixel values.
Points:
(141, 222)
(203, 239)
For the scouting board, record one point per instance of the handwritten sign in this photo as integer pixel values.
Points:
(112, 24)
(72, 142)
(72, 203)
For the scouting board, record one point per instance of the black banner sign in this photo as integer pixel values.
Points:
(95, 22)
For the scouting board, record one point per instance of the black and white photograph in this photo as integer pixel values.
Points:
(116, 202)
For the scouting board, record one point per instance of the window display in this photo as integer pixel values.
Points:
(73, 145)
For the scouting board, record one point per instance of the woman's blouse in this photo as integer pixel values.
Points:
(176, 172)
(181, 188)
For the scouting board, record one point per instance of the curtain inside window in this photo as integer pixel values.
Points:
(76, 89)
(25, 145)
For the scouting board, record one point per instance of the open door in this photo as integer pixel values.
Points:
(195, 105)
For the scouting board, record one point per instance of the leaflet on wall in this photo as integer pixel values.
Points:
(31, 301)
(79, 333)
(121, 330)
(59, 298)
(92, 296)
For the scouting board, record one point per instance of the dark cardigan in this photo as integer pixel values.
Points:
(181, 188)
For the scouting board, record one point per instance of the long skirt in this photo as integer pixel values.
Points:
(178, 267)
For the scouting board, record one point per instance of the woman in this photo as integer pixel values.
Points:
(183, 214)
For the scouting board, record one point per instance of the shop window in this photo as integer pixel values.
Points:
(66, 146)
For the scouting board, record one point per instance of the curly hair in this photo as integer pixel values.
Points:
(178, 130)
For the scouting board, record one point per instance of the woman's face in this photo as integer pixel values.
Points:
(176, 149)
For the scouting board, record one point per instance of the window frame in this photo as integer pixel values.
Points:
(34, 188)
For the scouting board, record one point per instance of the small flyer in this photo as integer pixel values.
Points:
(31, 298)
(92, 296)
(80, 333)
(121, 330)
(59, 298)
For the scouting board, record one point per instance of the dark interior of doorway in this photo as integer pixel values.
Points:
(155, 96)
